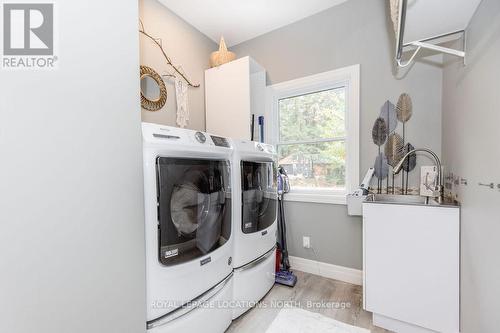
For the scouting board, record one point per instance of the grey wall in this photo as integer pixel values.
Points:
(471, 120)
(71, 195)
(187, 47)
(356, 32)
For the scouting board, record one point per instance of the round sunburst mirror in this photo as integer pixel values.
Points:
(153, 89)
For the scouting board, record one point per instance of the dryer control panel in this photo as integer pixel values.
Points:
(154, 133)
(200, 137)
(220, 141)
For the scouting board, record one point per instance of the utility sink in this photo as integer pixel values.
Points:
(406, 200)
(400, 199)
(355, 202)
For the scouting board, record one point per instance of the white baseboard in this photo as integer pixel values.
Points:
(345, 274)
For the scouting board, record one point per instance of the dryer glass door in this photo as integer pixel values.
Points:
(194, 208)
(259, 195)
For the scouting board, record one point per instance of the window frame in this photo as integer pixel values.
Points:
(348, 77)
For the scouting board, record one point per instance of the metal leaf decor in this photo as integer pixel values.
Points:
(388, 113)
(404, 108)
(381, 166)
(411, 161)
(379, 132)
(394, 149)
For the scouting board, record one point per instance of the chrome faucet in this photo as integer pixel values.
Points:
(439, 187)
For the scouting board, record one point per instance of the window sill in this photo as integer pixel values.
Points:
(335, 199)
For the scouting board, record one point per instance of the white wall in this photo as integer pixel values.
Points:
(187, 47)
(471, 120)
(71, 197)
(355, 32)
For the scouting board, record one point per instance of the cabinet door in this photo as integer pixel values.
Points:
(227, 100)
(411, 264)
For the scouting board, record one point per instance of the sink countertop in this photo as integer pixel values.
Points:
(413, 200)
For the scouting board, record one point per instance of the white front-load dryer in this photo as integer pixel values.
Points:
(188, 228)
(255, 223)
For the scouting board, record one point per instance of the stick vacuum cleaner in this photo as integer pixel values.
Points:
(284, 275)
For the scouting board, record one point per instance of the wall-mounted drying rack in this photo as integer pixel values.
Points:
(422, 43)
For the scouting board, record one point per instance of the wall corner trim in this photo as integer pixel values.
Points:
(341, 273)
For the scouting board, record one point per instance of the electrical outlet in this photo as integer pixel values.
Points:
(306, 242)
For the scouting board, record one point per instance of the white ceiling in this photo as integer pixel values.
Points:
(241, 20)
(429, 18)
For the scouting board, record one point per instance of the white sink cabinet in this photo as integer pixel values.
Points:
(411, 266)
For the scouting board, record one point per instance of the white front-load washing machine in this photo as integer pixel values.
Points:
(254, 225)
(188, 224)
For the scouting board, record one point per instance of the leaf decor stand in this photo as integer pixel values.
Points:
(394, 152)
(404, 110)
(388, 113)
(381, 170)
(379, 136)
(410, 163)
(384, 132)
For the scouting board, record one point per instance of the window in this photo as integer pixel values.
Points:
(315, 126)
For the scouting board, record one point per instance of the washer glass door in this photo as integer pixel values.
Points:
(259, 195)
(194, 208)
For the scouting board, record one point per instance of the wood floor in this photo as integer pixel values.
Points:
(341, 301)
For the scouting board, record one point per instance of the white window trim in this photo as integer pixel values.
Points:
(346, 76)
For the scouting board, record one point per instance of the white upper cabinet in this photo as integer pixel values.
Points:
(233, 92)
